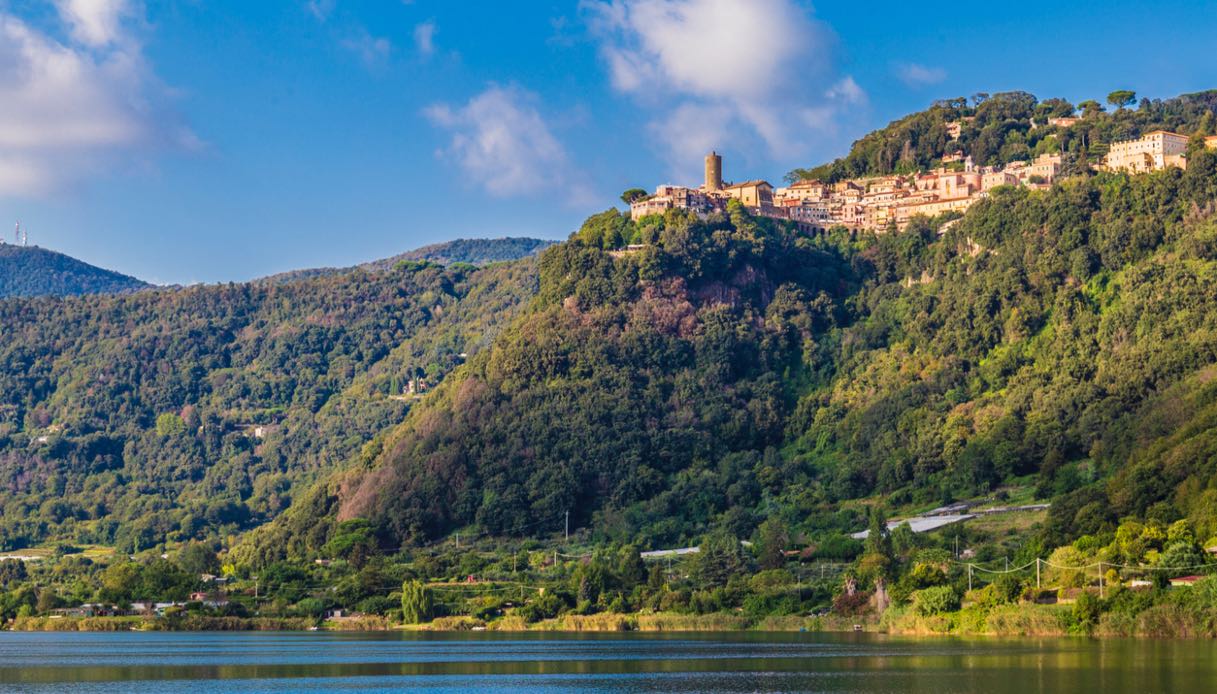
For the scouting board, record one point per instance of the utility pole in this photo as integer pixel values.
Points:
(969, 578)
(1100, 580)
(1037, 573)
(568, 527)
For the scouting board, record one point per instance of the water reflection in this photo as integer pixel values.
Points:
(276, 662)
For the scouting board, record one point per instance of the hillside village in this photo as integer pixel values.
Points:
(881, 202)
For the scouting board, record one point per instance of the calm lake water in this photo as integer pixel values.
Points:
(487, 662)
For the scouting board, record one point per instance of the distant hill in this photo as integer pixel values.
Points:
(36, 271)
(471, 251)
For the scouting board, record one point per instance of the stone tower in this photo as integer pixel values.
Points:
(714, 172)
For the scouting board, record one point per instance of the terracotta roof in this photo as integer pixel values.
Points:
(747, 183)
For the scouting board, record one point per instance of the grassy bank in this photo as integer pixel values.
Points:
(1159, 621)
(188, 623)
(651, 622)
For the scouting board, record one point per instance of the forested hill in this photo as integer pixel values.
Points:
(1012, 126)
(468, 251)
(169, 414)
(735, 370)
(35, 271)
(472, 251)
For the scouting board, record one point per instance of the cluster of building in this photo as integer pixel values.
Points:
(864, 203)
(877, 203)
(140, 608)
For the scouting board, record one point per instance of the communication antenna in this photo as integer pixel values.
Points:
(17, 233)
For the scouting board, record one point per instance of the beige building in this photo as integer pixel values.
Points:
(1152, 152)
(994, 179)
(800, 191)
(1046, 166)
(751, 193)
(933, 208)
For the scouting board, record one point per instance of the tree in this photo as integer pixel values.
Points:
(119, 582)
(633, 195)
(631, 570)
(877, 539)
(169, 424)
(1121, 98)
(772, 539)
(416, 602)
(197, 558)
(1090, 107)
(721, 557)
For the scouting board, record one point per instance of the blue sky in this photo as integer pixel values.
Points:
(213, 140)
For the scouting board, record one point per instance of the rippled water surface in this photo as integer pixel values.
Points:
(300, 662)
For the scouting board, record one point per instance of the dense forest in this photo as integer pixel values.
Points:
(473, 251)
(173, 414)
(34, 271)
(467, 251)
(1013, 126)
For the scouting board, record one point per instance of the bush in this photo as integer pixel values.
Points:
(377, 604)
(851, 605)
(546, 606)
(1085, 614)
(416, 602)
(936, 600)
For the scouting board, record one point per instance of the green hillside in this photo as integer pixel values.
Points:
(36, 271)
(468, 251)
(472, 251)
(134, 419)
(1011, 126)
(735, 370)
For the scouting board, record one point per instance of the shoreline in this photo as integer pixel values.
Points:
(1006, 621)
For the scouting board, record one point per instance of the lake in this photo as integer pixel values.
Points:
(494, 662)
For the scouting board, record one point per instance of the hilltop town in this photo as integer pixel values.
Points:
(880, 203)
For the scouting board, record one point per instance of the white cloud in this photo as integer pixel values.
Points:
(372, 50)
(321, 9)
(916, 76)
(502, 143)
(424, 39)
(719, 71)
(95, 22)
(73, 108)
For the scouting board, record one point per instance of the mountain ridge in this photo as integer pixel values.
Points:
(34, 271)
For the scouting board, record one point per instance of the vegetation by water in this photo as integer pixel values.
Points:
(732, 379)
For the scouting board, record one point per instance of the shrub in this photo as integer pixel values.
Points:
(856, 604)
(936, 600)
(1085, 613)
